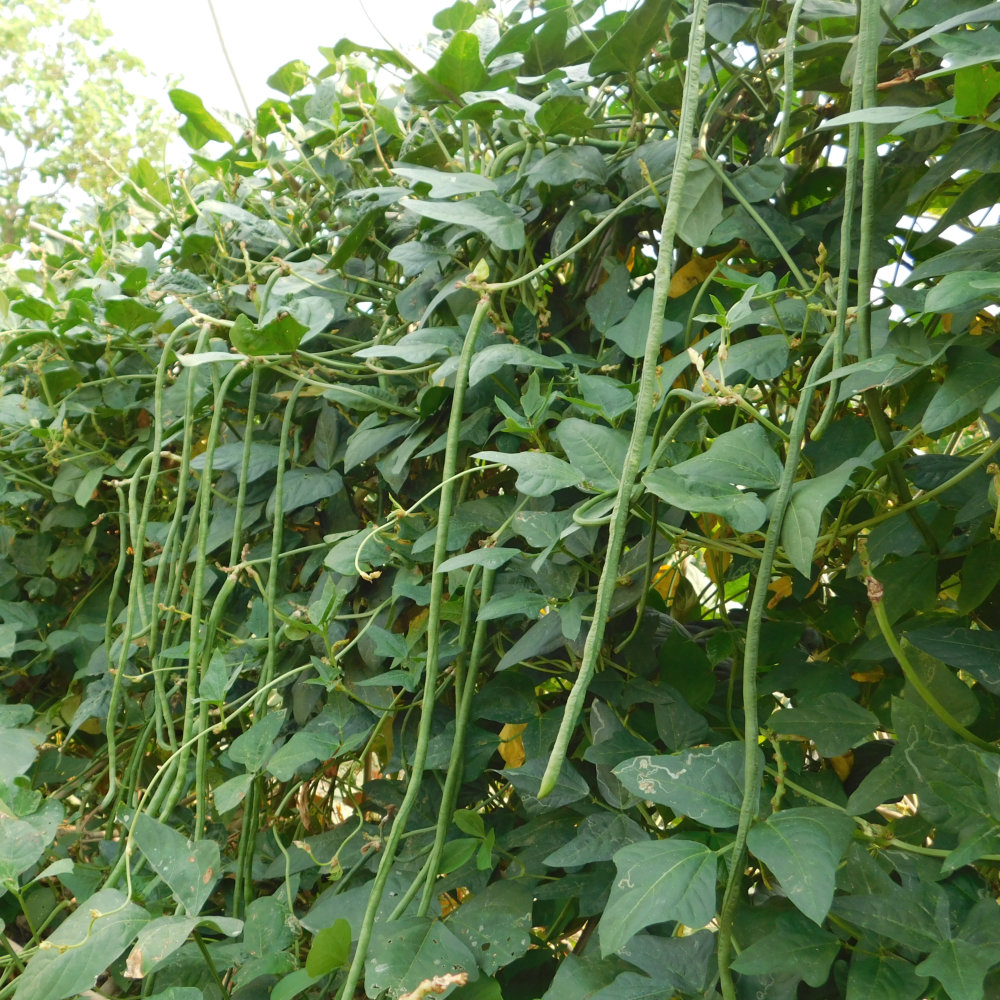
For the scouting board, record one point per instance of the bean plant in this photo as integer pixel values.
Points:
(520, 529)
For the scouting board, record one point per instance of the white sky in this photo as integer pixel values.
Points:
(179, 38)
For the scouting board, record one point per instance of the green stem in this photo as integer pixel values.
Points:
(876, 595)
(463, 712)
(433, 653)
(751, 658)
(644, 403)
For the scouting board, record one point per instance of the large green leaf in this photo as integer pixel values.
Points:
(405, 952)
(491, 359)
(705, 784)
(597, 452)
(199, 126)
(960, 966)
(659, 880)
(485, 213)
(832, 721)
(626, 49)
(94, 935)
(743, 510)
(803, 848)
(444, 184)
(495, 924)
(949, 691)
(972, 379)
(804, 516)
(24, 838)
(597, 839)
(281, 336)
(883, 977)
(915, 917)
(805, 949)
(631, 331)
(459, 68)
(973, 650)
(190, 868)
(538, 475)
(742, 457)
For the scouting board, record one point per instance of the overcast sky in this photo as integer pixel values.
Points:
(180, 38)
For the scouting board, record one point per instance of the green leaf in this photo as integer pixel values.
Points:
(289, 986)
(446, 184)
(743, 511)
(960, 966)
(290, 78)
(460, 15)
(954, 696)
(129, 314)
(253, 747)
(972, 379)
(886, 114)
(659, 880)
(915, 917)
(631, 332)
(199, 126)
(597, 452)
(157, 941)
(94, 943)
(17, 746)
(281, 336)
(564, 114)
(597, 838)
(975, 88)
(972, 650)
(608, 395)
(626, 50)
(485, 213)
(231, 793)
(803, 848)
(805, 949)
(962, 288)
(491, 359)
(331, 949)
(302, 487)
(491, 558)
(495, 924)
(701, 207)
(190, 868)
(724, 20)
(538, 475)
(832, 721)
(459, 68)
(570, 165)
(762, 357)
(705, 784)
(407, 951)
(23, 840)
(742, 457)
(883, 977)
(527, 779)
(804, 516)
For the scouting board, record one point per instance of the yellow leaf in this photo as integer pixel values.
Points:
(869, 676)
(782, 588)
(693, 273)
(842, 765)
(511, 746)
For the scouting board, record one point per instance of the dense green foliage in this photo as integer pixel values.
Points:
(357, 483)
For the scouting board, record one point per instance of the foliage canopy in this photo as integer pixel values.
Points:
(477, 540)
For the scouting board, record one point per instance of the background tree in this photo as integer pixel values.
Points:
(504, 539)
(70, 120)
